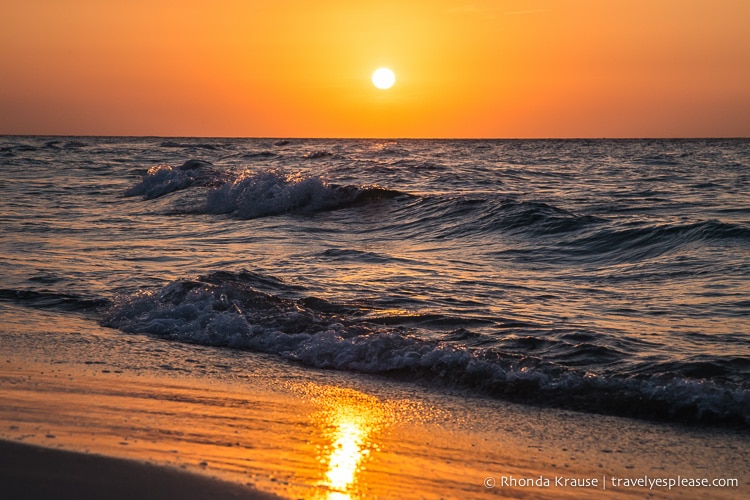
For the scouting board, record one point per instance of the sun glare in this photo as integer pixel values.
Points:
(383, 78)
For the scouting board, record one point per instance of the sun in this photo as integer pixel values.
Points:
(383, 78)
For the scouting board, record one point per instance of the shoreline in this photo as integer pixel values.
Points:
(259, 422)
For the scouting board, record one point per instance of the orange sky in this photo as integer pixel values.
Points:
(299, 68)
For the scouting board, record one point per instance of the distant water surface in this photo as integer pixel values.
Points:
(606, 276)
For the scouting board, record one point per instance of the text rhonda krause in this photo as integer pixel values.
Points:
(618, 482)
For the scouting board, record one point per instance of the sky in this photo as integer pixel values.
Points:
(299, 68)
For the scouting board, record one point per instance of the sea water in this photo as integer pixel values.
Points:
(607, 276)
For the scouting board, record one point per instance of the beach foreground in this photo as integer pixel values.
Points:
(33, 472)
(301, 433)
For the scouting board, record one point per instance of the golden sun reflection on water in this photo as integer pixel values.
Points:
(346, 455)
(352, 422)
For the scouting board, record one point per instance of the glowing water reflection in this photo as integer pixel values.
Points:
(346, 455)
(351, 421)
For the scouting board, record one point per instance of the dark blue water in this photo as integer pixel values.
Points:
(605, 276)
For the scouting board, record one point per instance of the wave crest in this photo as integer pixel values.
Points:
(272, 192)
(165, 179)
(251, 194)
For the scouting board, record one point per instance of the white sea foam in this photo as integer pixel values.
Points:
(164, 179)
(270, 192)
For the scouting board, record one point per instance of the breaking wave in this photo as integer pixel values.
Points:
(250, 194)
(164, 179)
(253, 195)
(248, 311)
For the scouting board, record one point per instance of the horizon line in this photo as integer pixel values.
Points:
(373, 138)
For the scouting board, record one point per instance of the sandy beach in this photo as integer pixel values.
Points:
(34, 472)
(299, 433)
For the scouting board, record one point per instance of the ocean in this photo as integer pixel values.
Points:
(602, 276)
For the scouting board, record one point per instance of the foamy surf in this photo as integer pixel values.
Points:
(226, 310)
(249, 194)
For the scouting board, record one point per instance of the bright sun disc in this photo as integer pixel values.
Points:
(383, 78)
